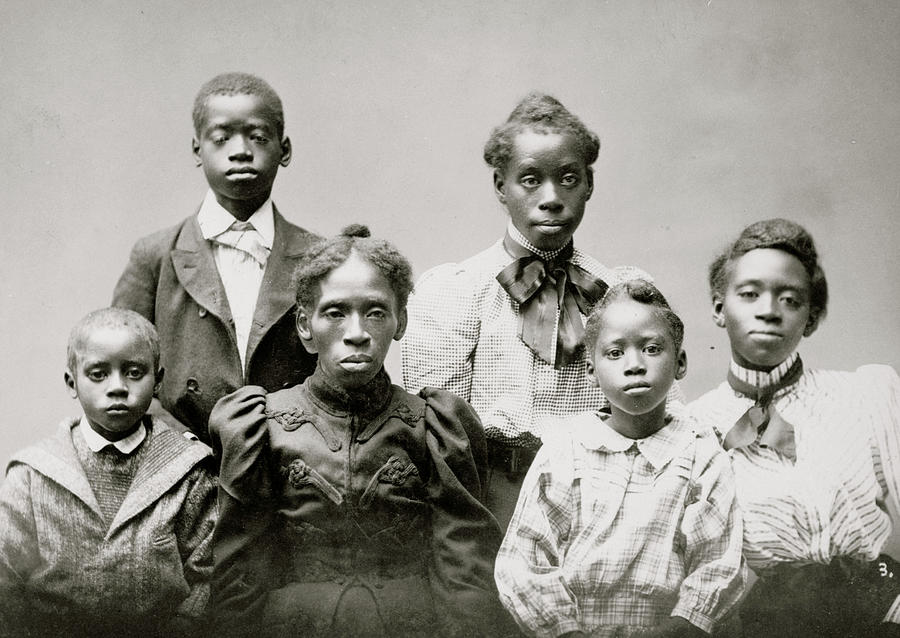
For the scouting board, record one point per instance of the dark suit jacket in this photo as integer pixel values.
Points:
(172, 279)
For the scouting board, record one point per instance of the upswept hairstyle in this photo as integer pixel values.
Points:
(111, 318)
(328, 254)
(781, 234)
(236, 83)
(544, 114)
(637, 290)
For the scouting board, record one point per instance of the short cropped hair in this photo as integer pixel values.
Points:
(544, 114)
(236, 83)
(637, 290)
(328, 254)
(111, 318)
(780, 234)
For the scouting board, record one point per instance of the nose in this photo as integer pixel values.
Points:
(634, 363)
(550, 199)
(240, 148)
(116, 385)
(767, 308)
(355, 332)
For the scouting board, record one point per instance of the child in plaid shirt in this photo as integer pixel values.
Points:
(627, 522)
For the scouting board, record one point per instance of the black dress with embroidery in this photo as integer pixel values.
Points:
(350, 515)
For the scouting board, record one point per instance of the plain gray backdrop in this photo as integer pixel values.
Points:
(711, 114)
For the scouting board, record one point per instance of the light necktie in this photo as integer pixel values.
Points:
(244, 237)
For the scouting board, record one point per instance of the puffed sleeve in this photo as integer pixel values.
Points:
(442, 332)
(530, 566)
(715, 573)
(242, 551)
(465, 535)
(136, 288)
(879, 391)
(18, 548)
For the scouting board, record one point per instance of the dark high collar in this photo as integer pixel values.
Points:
(368, 400)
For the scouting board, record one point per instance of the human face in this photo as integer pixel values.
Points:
(545, 186)
(114, 381)
(635, 363)
(352, 323)
(238, 148)
(765, 308)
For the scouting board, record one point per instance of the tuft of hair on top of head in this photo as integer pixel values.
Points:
(238, 83)
(327, 254)
(544, 114)
(636, 290)
(356, 230)
(139, 326)
(780, 234)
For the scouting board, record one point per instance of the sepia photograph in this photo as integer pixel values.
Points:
(410, 318)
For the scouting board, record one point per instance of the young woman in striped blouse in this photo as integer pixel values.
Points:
(816, 453)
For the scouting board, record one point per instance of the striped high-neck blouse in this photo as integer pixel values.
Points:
(833, 501)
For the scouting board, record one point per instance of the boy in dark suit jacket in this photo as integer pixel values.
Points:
(218, 284)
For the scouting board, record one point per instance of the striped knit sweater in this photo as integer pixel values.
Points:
(66, 567)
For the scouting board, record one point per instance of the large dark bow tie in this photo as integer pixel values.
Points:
(762, 420)
(541, 287)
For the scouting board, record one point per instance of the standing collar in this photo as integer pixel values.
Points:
(126, 446)
(760, 379)
(520, 239)
(215, 220)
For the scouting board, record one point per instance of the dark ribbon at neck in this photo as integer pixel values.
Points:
(543, 287)
(762, 420)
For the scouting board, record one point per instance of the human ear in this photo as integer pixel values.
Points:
(159, 378)
(402, 318)
(590, 181)
(195, 150)
(718, 311)
(286, 151)
(499, 183)
(589, 372)
(681, 365)
(811, 324)
(304, 331)
(70, 383)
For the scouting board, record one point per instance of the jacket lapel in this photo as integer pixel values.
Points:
(168, 457)
(276, 293)
(56, 459)
(196, 270)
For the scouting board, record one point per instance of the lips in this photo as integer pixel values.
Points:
(357, 358)
(244, 171)
(117, 408)
(767, 335)
(636, 388)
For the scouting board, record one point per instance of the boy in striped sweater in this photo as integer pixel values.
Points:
(106, 526)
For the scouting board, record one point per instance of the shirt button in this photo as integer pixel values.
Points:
(202, 312)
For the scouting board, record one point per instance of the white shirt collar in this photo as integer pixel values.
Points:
(215, 220)
(520, 239)
(126, 446)
(760, 379)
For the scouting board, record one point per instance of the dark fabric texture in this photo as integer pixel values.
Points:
(844, 599)
(171, 278)
(321, 505)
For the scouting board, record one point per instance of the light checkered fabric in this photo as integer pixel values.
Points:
(463, 337)
(612, 535)
(833, 501)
